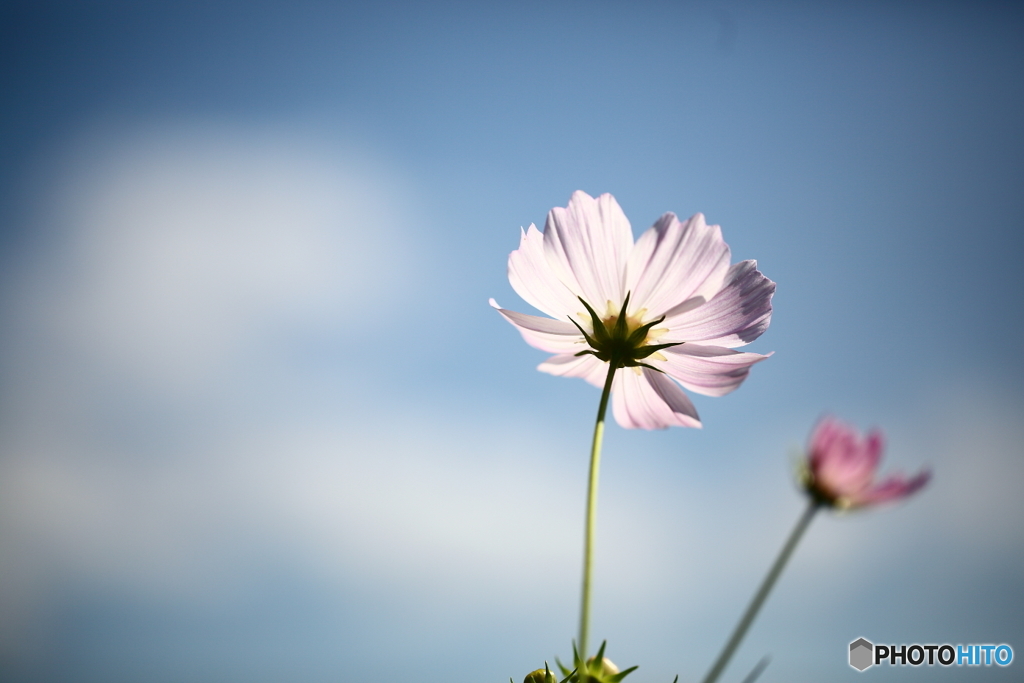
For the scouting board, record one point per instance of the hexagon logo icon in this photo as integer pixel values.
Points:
(860, 654)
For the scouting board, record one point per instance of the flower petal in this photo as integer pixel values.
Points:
(894, 488)
(553, 336)
(535, 280)
(829, 435)
(708, 370)
(587, 367)
(843, 463)
(675, 261)
(650, 400)
(587, 244)
(736, 316)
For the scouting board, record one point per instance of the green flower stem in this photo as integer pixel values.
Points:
(762, 593)
(588, 541)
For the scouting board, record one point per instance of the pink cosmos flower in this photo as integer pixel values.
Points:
(840, 471)
(669, 307)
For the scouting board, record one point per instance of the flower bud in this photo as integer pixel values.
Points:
(540, 676)
(607, 667)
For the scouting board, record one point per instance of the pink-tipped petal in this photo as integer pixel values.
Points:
(826, 433)
(650, 400)
(553, 336)
(894, 488)
(708, 370)
(674, 261)
(533, 278)
(587, 244)
(736, 316)
(874, 445)
(585, 367)
(843, 461)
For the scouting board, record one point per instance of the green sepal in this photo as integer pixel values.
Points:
(566, 671)
(641, 332)
(590, 340)
(622, 674)
(600, 331)
(645, 351)
(620, 322)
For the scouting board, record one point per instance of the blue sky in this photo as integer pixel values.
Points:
(257, 421)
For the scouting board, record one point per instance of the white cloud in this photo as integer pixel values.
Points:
(176, 247)
(170, 264)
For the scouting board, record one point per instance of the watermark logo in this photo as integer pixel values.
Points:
(861, 653)
(864, 653)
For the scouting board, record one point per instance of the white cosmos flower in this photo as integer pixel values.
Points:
(675, 281)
